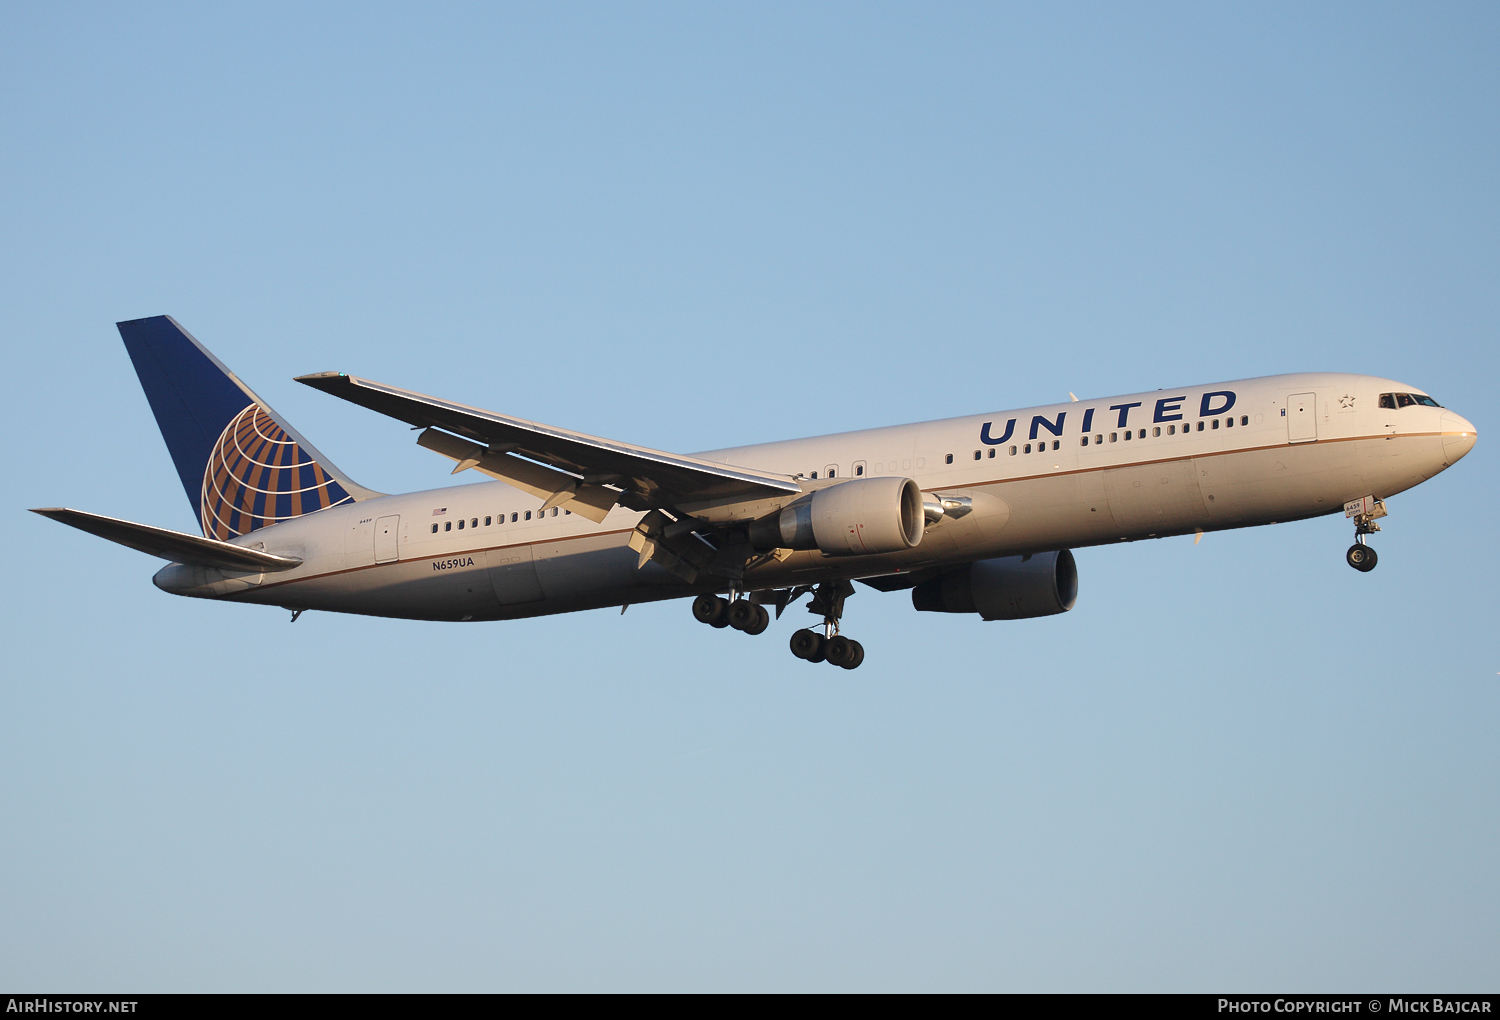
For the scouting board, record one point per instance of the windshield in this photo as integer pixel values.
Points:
(1407, 400)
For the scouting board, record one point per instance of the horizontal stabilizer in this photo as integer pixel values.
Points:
(171, 545)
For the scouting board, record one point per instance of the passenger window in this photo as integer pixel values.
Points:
(977, 455)
(513, 518)
(814, 475)
(1404, 400)
(1028, 447)
(1200, 426)
(833, 472)
(528, 515)
(447, 525)
(554, 509)
(1156, 432)
(1098, 439)
(949, 460)
(1244, 419)
(1388, 400)
(1085, 441)
(859, 469)
(1012, 451)
(434, 529)
(460, 525)
(1171, 430)
(1128, 434)
(1141, 434)
(567, 513)
(992, 453)
(486, 522)
(1114, 437)
(474, 523)
(1229, 422)
(1057, 444)
(1216, 423)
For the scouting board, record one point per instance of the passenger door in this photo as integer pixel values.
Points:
(1302, 418)
(387, 531)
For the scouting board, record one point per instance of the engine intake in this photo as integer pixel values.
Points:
(854, 518)
(1005, 588)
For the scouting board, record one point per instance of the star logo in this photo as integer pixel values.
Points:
(1346, 402)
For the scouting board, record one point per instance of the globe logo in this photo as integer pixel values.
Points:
(257, 475)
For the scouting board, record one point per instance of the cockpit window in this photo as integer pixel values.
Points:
(1407, 400)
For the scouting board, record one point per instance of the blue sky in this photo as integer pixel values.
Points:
(1237, 765)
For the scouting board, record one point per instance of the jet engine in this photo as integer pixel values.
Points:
(862, 515)
(1006, 588)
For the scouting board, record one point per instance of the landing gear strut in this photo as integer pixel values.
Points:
(1365, 512)
(829, 646)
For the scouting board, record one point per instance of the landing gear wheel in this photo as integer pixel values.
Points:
(844, 652)
(859, 655)
(759, 622)
(747, 616)
(809, 645)
(1361, 558)
(711, 609)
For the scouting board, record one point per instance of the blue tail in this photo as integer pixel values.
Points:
(243, 466)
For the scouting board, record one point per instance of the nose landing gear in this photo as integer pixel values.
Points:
(1365, 512)
(1361, 557)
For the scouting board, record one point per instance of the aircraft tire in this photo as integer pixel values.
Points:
(840, 651)
(1361, 558)
(759, 622)
(859, 656)
(742, 614)
(710, 609)
(808, 645)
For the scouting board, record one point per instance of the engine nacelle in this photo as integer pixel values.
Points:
(1006, 588)
(853, 518)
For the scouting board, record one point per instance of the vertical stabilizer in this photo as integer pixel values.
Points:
(242, 465)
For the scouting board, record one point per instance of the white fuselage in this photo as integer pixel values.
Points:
(1168, 462)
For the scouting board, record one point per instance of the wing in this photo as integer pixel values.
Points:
(171, 545)
(587, 474)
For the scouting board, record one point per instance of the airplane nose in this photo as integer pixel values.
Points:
(1458, 437)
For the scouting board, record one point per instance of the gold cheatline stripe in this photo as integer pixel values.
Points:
(935, 488)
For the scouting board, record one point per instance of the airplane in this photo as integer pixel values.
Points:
(975, 514)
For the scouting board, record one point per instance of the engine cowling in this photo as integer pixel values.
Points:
(1005, 588)
(853, 518)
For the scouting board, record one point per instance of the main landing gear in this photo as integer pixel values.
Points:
(739, 612)
(829, 646)
(1365, 512)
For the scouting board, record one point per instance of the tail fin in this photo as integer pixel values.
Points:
(242, 465)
